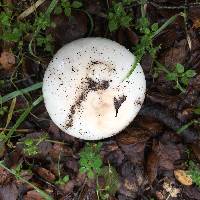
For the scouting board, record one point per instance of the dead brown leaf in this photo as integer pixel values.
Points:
(182, 177)
(7, 60)
(46, 174)
(152, 166)
(5, 177)
(176, 54)
(196, 150)
(9, 192)
(32, 195)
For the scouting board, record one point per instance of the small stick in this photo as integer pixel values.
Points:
(30, 10)
(17, 130)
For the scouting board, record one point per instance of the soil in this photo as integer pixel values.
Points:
(145, 154)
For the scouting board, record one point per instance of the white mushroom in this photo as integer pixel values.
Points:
(84, 91)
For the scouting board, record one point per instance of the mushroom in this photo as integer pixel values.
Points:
(85, 92)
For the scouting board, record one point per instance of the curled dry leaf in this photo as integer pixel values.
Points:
(32, 195)
(173, 191)
(9, 192)
(45, 173)
(7, 60)
(182, 177)
(5, 177)
(196, 150)
(152, 166)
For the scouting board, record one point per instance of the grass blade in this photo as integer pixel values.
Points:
(23, 117)
(21, 92)
(186, 126)
(10, 113)
(167, 23)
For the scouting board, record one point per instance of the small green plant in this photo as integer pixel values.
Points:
(30, 145)
(3, 110)
(66, 6)
(117, 17)
(148, 32)
(61, 180)
(90, 159)
(179, 75)
(111, 178)
(146, 41)
(197, 110)
(17, 170)
(46, 42)
(12, 31)
(194, 173)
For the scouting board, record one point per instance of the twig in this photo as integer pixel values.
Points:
(17, 130)
(174, 7)
(170, 121)
(30, 10)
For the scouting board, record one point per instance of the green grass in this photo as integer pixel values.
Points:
(5, 137)
(194, 173)
(20, 92)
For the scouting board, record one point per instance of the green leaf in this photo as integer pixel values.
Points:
(66, 179)
(185, 80)
(97, 163)
(90, 174)
(179, 68)
(67, 11)
(76, 4)
(154, 27)
(5, 18)
(28, 142)
(58, 10)
(190, 73)
(113, 25)
(197, 110)
(125, 21)
(65, 3)
(171, 76)
(82, 170)
(119, 10)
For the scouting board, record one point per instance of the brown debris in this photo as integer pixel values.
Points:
(182, 177)
(45, 174)
(7, 60)
(32, 195)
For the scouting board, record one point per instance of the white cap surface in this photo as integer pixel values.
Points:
(84, 91)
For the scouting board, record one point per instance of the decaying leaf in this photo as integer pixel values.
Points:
(7, 60)
(196, 24)
(182, 177)
(33, 195)
(173, 191)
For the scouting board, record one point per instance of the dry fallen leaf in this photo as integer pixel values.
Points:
(182, 177)
(173, 191)
(7, 60)
(196, 24)
(32, 195)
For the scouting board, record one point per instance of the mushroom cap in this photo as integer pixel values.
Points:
(84, 91)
